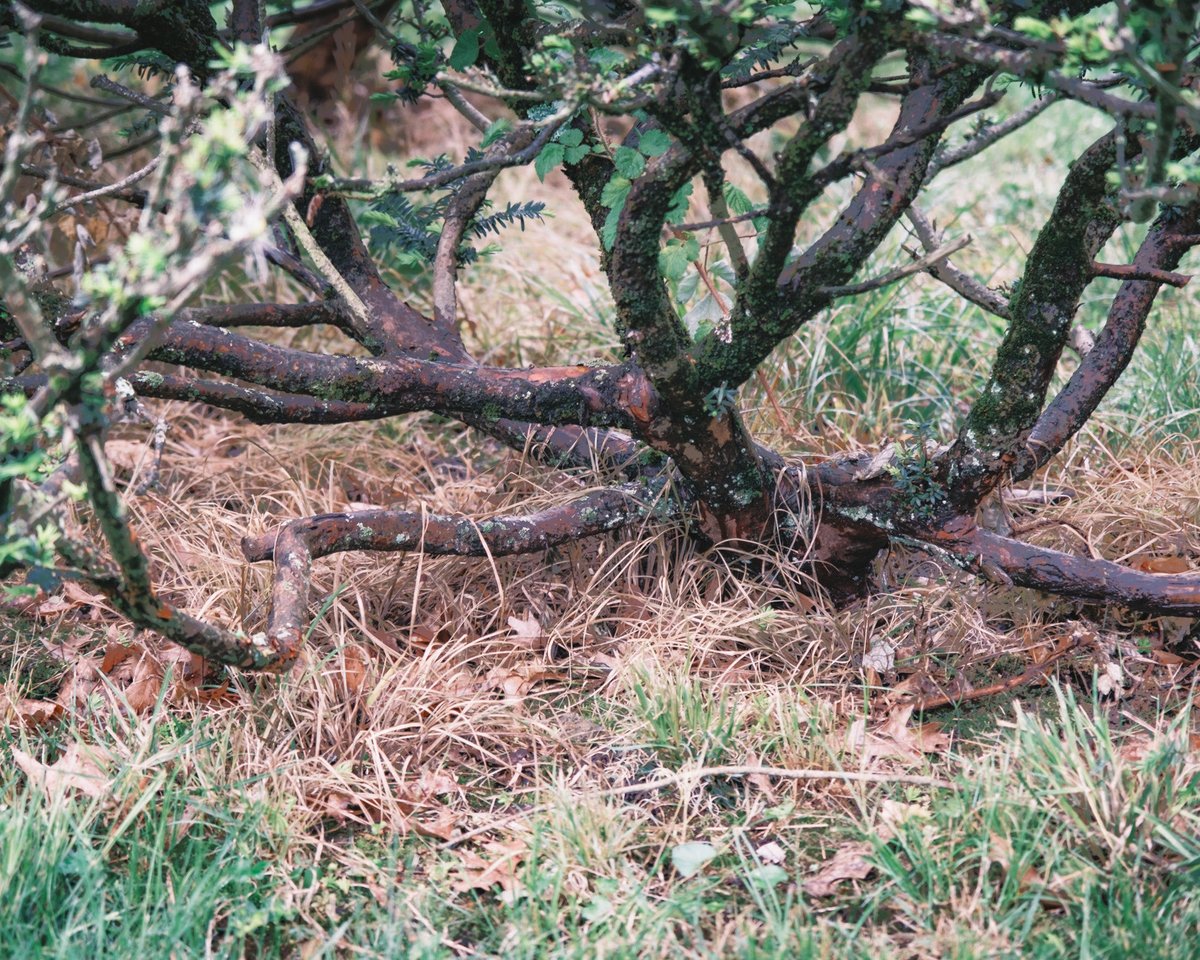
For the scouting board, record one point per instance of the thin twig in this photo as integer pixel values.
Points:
(1031, 673)
(114, 188)
(1129, 271)
(917, 266)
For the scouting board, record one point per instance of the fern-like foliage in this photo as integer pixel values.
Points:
(407, 233)
(147, 63)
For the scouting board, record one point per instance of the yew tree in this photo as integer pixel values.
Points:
(644, 108)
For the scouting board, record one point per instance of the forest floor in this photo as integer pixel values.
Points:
(516, 758)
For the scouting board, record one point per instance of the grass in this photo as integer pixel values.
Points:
(432, 780)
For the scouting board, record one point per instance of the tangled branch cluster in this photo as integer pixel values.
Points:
(238, 179)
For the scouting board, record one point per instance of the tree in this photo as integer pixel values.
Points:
(238, 181)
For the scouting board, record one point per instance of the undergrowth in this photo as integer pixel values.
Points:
(457, 765)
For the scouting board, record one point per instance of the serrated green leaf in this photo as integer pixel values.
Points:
(678, 210)
(688, 286)
(570, 137)
(466, 50)
(673, 259)
(629, 162)
(608, 233)
(724, 270)
(550, 157)
(654, 143)
(575, 154)
(689, 859)
(615, 192)
(736, 199)
(498, 129)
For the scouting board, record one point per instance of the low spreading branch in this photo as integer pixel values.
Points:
(296, 545)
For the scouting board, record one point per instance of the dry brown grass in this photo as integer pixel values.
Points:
(435, 692)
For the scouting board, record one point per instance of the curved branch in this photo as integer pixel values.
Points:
(1058, 270)
(258, 406)
(1167, 241)
(296, 545)
(131, 588)
(1024, 565)
(617, 395)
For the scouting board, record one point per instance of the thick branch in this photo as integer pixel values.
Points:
(832, 260)
(1083, 578)
(601, 396)
(1058, 270)
(1167, 241)
(296, 545)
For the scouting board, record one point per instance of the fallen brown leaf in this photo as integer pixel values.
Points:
(81, 767)
(143, 690)
(116, 653)
(528, 631)
(498, 868)
(849, 862)
(516, 681)
(1162, 564)
(347, 808)
(31, 714)
(354, 668)
(424, 636)
(894, 739)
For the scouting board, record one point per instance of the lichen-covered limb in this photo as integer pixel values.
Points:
(1170, 237)
(1057, 271)
(269, 315)
(256, 404)
(597, 396)
(296, 545)
(391, 327)
(848, 67)
(131, 589)
(1024, 565)
(182, 29)
(892, 183)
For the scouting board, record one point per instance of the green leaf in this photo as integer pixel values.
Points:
(678, 210)
(1038, 29)
(466, 50)
(674, 258)
(608, 233)
(380, 97)
(605, 60)
(570, 136)
(689, 859)
(688, 286)
(654, 143)
(768, 875)
(615, 192)
(724, 270)
(629, 162)
(736, 199)
(705, 313)
(498, 129)
(575, 154)
(550, 157)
